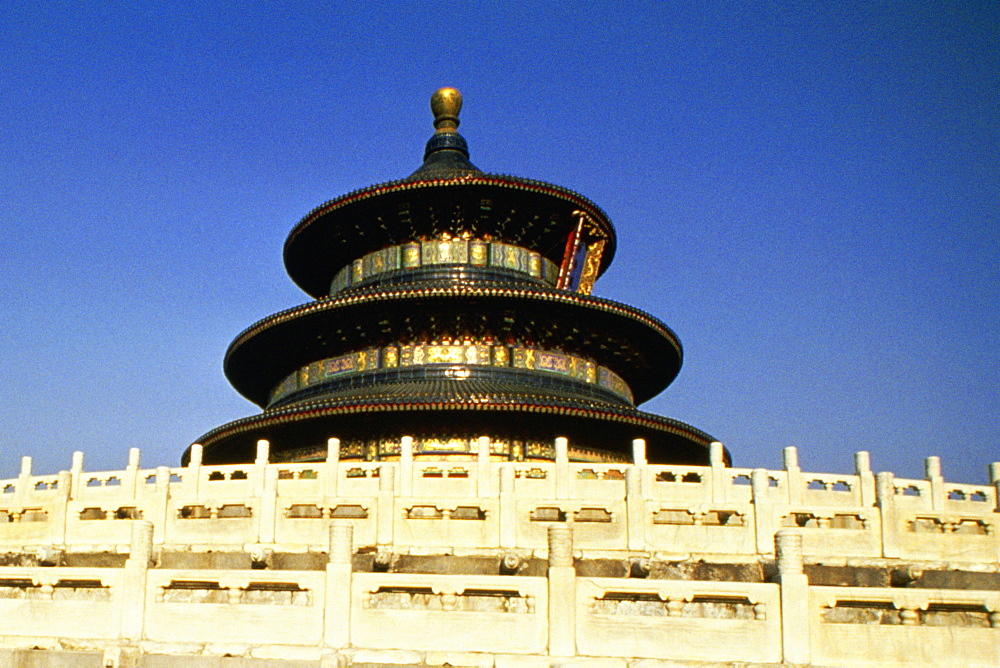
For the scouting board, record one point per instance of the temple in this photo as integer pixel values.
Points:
(451, 305)
(450, 468)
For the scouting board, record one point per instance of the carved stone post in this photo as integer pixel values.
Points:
(794, 474)
(795, 618)
(193, 472)
(562, 592)
(508, 506)
(563, 484)
(160, 505)
(885, 498)
(130, 481)
(339, 598)
(77, 470)
(331, 472)
(762, 510)
(932, 468)
(639, 452)
(635, 506)
(268, 506)
(406, 466)
(863, 469)
(995, 480)
(386, 504)
(717, 459)
(132, 598)
(263, 452)
(484, 477)
(259, 467)
(61, 517)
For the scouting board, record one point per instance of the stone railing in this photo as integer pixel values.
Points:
(338, 615)
(424, 506)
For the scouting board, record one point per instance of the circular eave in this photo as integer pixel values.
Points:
(533, 214)
(668, 440)
(632, 343)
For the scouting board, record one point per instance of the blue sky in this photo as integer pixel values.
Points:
(805, 192)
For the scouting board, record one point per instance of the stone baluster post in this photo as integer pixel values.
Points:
(160, 506)
(995, 481)
(130, 481)
(65, 487)
(132, 598)
(866, 480)
(795, 617)
(885, 499)
(331, 472)
(260, 465)
(794, 474)
(635, 507)
(339, 597)
(23, 483)
(763, 510)
(932, 469)
(193, 474)
(386, 504)
(562, 592)
(484, 468)
(563, 481)
(635, 500)
(77, 470)
(268, 515)
(264, 491)
(263, 452)
(717, 460)
(508, 506)
(406, 466)
(639, 452)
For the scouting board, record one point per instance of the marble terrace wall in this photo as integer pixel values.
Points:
(478, 562)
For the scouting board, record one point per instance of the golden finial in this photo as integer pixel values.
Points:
(446, 103)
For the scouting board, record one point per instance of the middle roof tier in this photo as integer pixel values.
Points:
(630, 344)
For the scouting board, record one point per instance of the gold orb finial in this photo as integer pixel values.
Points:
(446, 103)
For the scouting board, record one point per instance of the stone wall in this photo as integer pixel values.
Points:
(486, 563)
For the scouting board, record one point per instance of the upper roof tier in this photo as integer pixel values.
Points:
(446, 197)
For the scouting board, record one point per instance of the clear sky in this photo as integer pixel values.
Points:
(806, 192)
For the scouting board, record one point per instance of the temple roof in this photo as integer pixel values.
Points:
(594, 426)
(634, 344)
(446, 197)
(450, 258)
(446, 155)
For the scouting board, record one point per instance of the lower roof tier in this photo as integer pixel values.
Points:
(455, 409)
(635, 346)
